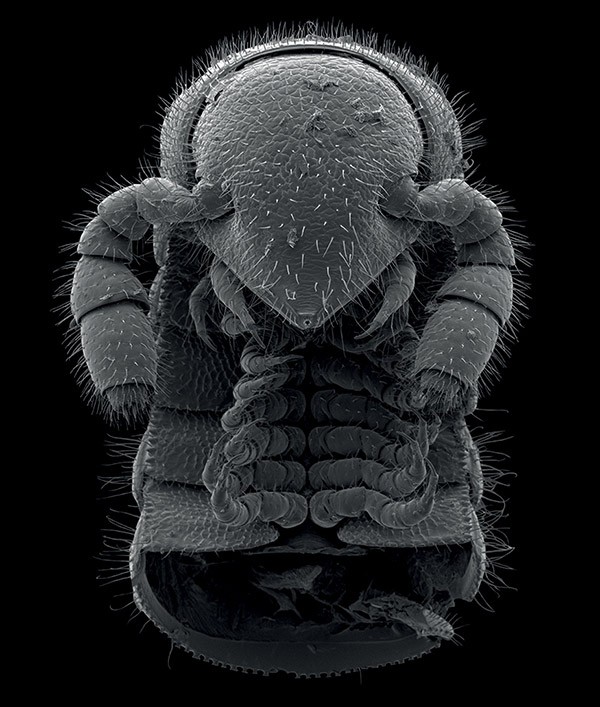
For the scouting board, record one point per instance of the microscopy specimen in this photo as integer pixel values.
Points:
(330, 289)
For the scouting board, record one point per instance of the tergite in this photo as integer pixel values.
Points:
(330, 290)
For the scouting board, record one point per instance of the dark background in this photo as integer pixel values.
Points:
(100, 78)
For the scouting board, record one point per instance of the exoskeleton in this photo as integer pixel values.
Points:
(330, 289)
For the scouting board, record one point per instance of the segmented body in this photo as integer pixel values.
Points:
(311, 346)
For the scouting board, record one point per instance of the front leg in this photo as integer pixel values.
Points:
(473, 304)
(109, 303)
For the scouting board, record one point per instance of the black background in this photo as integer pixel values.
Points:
(99, 79)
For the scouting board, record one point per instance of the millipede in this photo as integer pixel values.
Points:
(331, 293)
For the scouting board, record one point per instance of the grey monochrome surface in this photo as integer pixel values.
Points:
(331, 289)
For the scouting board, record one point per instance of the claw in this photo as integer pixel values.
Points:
(427, 433)
(269, 404)
(226, 508)
(386, 311)
(399, 284)
(389, 328)
(199, 305)
(255, 361)
(423, 437)
(252, 329)
(214, 463)
(247, 387)
(229, 290)
(409, 479)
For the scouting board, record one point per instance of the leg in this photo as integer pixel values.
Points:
(241, 460)
(109, 303)
(474, 304)
(230, 460)
(351, 375)
(396, 470)
(328, 508)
